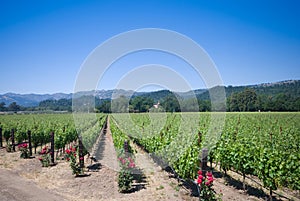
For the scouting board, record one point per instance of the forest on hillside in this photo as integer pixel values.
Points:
(284, 96)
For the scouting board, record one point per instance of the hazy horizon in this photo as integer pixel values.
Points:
(146, 91)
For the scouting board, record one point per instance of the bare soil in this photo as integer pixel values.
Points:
(26, 180)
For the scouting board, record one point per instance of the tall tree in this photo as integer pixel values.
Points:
(141, 104)
(171, 103)
(14, 107)
(243, 101)
(105, 106)
(2, 106)
(120, 105)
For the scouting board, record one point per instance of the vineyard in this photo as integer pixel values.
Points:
(40, 127)
(265, 146)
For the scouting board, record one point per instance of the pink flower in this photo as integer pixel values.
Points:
(68, 151)
(130, 160)
(81, 158)
(200, 177)
(209, 174)
(132, 165)
(23, 145)
(207, 183)
(199, 172)
(199, 181)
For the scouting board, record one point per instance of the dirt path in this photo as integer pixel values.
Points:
(15, 187)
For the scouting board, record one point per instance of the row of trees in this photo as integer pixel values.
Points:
(11, 107)
(245, 100)
(249, 100)
(170, 103)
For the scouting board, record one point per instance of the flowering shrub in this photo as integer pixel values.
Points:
(125, 175)
(45, 157)
(71, 156)
(24, 150)
(205, 184)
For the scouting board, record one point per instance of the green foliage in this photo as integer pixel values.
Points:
(24, 150)
(71, 155)
(125, 179)
(140, 104)
(266, 145)
(171, 103)
(125, 158)
(45, 157)
(56, 105)
(246, 100)
(261, 144)
(205, 187)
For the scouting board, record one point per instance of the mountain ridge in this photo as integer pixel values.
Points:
(32, 99)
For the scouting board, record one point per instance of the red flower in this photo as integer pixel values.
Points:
(207, 183)
(200, 172)
(199, 181)
(209, 174)
(81, 158)
(67, 159)
(131, 165)
(74, 155)
(23, 145)
(68, 151)
(200, 177)
(130, 160)
(40, 159)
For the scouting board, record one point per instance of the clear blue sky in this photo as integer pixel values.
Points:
(43, 43)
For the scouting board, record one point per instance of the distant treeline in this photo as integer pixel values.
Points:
(273, 97)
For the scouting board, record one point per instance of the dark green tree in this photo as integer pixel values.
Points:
(141, 104)
(171, 103)
(105, 106)
(2, 106)
(190, 105)
(14, 107)
(243, 101)
(120, 104)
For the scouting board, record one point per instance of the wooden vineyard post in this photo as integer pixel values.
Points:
(52, 146)
(1, 144)
(29, 142)
(13, 139)
(81, 156)
(204, 160)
